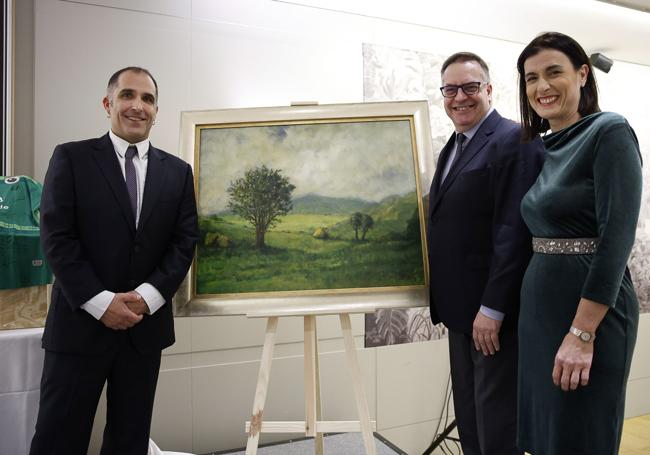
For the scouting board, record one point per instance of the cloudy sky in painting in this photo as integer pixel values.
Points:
(366, 160)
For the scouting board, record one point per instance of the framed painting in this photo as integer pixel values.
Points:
(308, 207)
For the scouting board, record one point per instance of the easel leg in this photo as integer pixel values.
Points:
(262, 386)
(312, 386)
(359, 395)
(318, 442)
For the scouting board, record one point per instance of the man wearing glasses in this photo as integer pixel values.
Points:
(478, 251)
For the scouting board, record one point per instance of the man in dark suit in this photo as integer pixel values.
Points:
(478, 251)
(118, 227)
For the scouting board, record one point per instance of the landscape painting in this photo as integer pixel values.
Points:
(315, 206)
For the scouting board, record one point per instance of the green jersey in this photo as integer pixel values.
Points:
(22, 263)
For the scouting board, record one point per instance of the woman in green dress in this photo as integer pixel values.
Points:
(579, 312)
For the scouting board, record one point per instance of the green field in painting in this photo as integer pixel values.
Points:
(294, 260)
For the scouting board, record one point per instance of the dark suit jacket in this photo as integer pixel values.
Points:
(90, 241)
(478, 244)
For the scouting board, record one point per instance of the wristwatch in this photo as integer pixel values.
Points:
(587, 337)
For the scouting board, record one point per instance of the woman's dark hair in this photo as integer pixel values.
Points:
(531, 123)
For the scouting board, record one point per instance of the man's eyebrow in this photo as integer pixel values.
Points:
(130, 91)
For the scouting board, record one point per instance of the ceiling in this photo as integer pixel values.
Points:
(619, 32)
(641, 5)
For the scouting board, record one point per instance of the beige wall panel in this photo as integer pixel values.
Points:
(77, 48)
(183, 331)
(241, 66)
(227, 332)
(171, 427)
(253, 354)
(641, 360)
(176, 362)
(638, 399)
(612, 97)
(336, 383)
(239, 355)
(411, 382)
(23, 86)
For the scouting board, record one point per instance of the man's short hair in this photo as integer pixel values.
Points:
(112, 82)
(462, 57)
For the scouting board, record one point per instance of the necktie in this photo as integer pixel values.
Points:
(460, 141)
(131, 180)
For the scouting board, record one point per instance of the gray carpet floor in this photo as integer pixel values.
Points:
(335, 444)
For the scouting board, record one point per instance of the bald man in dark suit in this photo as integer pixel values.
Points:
(118, 227)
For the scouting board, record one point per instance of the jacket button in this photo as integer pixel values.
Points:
(136, 249)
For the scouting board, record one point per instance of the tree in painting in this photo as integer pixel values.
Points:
(261, 197)
(366, 224)
(355, 220)
(361, 221)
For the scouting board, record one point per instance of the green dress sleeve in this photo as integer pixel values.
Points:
(617, 182)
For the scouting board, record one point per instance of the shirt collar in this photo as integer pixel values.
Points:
(469, 134)
(120, 145)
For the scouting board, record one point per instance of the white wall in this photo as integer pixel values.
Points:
(230, 54)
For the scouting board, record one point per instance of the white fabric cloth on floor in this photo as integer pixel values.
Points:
(21, 364)
(155, 450)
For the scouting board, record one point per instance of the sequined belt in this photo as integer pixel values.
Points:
(565, 246)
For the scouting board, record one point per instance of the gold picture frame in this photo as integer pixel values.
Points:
(315, 208)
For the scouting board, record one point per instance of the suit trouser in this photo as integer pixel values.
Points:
(70, 389)
(485, 395)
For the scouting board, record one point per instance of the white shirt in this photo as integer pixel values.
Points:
(97, 305)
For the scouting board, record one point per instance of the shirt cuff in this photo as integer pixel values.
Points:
(151, 296)
(97, 305)
(492, 314)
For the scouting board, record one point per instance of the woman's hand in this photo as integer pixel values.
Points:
(572, 363)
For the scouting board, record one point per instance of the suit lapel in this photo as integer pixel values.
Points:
(154, 183)
(472, 149)
(469, 153)
(442, 161)
(104, 155)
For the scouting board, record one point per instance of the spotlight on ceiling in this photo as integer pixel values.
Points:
(601, 62)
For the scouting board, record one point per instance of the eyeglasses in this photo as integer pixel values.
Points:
(471, 88)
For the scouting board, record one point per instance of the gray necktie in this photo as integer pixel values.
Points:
(131, 180)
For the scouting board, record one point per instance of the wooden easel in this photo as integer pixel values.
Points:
(313, 426)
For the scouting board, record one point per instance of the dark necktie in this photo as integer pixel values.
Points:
(131, 180)
(460, 142)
